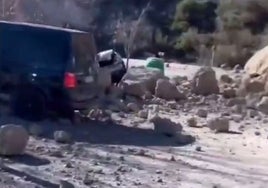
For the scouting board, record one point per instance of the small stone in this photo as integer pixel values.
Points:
(172, 158)
(229, 93)
(160, 180)
(192, 122)
(202, 113)
(257, 133)
(159, 172)
(198, 148)
(68, 165)
(122, 158)
(238, 109)
(62, 137)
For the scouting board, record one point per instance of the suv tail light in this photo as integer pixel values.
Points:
(70, 80)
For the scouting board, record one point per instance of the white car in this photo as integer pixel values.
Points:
(114, 62)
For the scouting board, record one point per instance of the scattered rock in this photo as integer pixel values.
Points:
(202, 113)
(226, 79)
(173, 105)
(166, 90)
(219, 124)
(143, 114)
(192, 122)
(62, 137)
(13, 139)
(257, 133)
(238, 109)
(166, 126)
(252, 113)
(229, 92)
(205, 82)
(133, 107)
(236, 118)
(198, 148)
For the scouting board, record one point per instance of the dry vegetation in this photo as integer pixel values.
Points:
(234, 28)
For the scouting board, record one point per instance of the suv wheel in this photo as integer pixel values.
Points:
(29, 104)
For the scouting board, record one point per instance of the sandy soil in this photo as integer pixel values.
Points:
(127, 153)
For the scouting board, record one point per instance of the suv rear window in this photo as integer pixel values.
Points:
(42, 49)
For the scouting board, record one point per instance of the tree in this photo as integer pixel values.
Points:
(131, 34)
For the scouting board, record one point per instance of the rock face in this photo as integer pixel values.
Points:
(140, 80)
(13, 140)
(205, 82)
(166, 90)
(219, 124)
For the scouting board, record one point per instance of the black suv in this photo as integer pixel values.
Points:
(45, 68)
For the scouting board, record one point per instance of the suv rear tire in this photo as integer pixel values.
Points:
(29, 104)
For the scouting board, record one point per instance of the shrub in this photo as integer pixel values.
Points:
(188, 41)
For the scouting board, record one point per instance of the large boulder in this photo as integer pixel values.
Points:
(165, 126)
(258, 63)
(219, 124)
(13, 140)
(166, 90)
(140, 80)
(205, 82)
